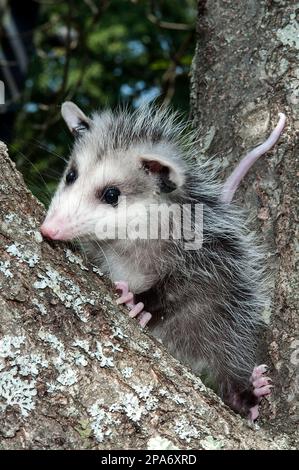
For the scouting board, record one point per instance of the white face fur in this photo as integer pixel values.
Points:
(106, 172)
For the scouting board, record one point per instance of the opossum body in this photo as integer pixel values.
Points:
(204, 304)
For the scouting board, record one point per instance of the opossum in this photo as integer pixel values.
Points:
(203, 302)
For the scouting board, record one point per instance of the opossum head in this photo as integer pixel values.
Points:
(120, 164)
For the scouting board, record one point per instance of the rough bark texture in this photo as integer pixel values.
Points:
(245, 71)
(75, 371)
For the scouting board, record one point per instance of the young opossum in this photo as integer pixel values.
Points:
(205, 304)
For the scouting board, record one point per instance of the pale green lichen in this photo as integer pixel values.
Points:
(83, 344)
(79, 359)
(105, 361)
(144, 345)
(294, 359)
(144, 392)
(127, 372)
(53, 341)
(131, 407)
(75, 259)
(114, 347)
(30, 364)
(16, 392)
(22, 254)
(151, 403)
(10, 345)
(67, 377)
(209, 443)
(176, 398)
(157, 354)
(118, 333)
(4, 269)
(185, 430)
(97, 271)
(84, 430)
(161, 443)
(67, 291)
(36, 235)
(40, 306)
(101, 421)
(12, 217)
(289, 35)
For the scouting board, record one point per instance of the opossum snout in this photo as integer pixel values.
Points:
(49, 232)
(54, 229)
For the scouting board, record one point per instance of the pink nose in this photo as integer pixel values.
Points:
(49, 232)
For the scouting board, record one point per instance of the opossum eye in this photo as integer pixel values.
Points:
(71, 176)
(111, 196)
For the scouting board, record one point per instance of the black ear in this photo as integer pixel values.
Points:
(75, 119)
(169, 175)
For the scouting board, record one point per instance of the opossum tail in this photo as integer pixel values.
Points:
(233, 181)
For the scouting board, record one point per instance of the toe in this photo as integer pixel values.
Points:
(262, 391)
(122, 286)
(145, 318)
(258, 372)
(253, 413)
(261, 382)
(125, 299)
(136, 309)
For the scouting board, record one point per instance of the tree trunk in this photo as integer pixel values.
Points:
(245, 71)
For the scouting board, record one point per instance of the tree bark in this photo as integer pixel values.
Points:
(245, 71)
(75, 371)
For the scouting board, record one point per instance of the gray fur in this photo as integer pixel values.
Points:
(207, 303)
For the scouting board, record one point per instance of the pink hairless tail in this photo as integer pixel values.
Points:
(246, 163)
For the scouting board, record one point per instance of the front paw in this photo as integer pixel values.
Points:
(127, 298)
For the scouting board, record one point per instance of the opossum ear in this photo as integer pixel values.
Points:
(170, 175)
(75, 119)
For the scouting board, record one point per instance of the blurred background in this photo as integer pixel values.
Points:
(98, 53)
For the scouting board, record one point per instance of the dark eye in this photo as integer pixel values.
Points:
(71, 176)
(111, 196)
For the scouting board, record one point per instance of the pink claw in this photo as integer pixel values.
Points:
(127, 298)
(122, 286)
(136, 309)
(261, 382)
(258, 371)
(253, 413)
(261, 388)
(262, 391)
(145, 318)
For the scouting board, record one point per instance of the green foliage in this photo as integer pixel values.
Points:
(98, 54)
